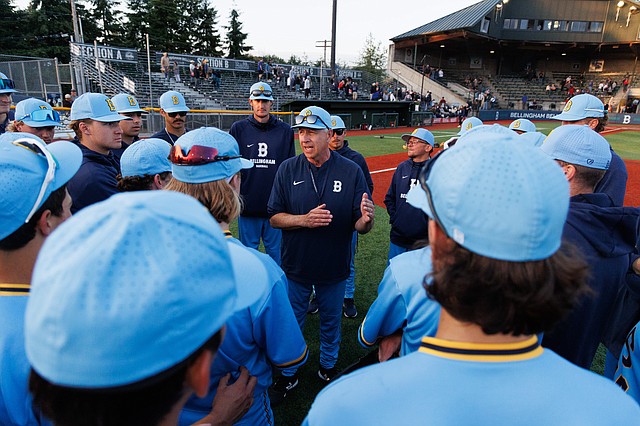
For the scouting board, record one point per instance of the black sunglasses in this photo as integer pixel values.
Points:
(261, 92)
(423, 176)
(338, 132)
(174, 114)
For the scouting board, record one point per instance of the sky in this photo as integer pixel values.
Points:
(284, 28)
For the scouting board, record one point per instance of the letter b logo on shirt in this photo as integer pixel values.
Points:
(262, 149)
(337, 186)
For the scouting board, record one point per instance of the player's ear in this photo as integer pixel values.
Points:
(198, 373)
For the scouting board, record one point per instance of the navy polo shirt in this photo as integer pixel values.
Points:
(318, 255)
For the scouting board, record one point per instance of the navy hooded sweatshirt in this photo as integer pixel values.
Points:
(96, 179)
(606, 235)
(267, 145)
(408, 224)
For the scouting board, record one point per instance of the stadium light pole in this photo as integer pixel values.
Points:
(333, 38)
(324, 44)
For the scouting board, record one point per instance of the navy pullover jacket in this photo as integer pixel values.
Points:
(408, 224)
(614, 181)
(96, 179)
(267, 145)
(606, 235)
(357, 158)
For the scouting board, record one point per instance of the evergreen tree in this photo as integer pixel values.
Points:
(235, 38)
(137, 24)
(108, 19)
(373, 58)
(166, 32)
(207, 38)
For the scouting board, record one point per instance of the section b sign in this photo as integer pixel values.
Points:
(105, 53)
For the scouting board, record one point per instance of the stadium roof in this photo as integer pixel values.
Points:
(464, 18)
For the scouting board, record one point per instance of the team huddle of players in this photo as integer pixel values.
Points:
(511, 259)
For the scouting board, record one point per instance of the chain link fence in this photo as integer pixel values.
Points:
(42, 78)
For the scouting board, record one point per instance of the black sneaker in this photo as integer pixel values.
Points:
(327, 374)
(279, 390)
(313, 306)
(349, 308)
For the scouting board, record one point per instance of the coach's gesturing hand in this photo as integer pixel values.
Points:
(317, 217)
(367, 209)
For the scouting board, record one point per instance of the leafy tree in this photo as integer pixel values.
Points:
(294, 60)
(235, 38)
(373, 58)
(11, 34)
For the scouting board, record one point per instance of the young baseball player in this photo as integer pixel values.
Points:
(586, 109)
(502, 275)
(34, 202)
(145, 165)
(267, 142)
(206, 164)
(128, 106)
(119, 335)
(35, 117)
(604, 233)
(95, 122)
(174, 110)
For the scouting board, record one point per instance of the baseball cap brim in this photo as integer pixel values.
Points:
(418, 199)
(133, 109)
(177, 108)
(567, 116)
(69, 159)
(261, 96)
(45, 123)
(317, 125)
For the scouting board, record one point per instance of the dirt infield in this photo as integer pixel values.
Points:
(383, 166)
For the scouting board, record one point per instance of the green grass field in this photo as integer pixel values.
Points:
(371, 260)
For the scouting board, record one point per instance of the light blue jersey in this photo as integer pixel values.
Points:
(264, 335)
(402, 303)
(15, 400)
(458, 383)
(627, 376)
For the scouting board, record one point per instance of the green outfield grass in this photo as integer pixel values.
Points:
(370, 264)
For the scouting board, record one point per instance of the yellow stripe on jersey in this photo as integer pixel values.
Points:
(482, 352)
(14, 289)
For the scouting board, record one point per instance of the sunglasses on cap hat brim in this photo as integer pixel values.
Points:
(310, 119)
(259, 92)
(197, 155)
(41, 115)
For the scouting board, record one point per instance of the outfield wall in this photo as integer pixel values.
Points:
(508, 114)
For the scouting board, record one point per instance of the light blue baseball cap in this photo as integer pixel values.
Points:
(261, 91)
(533, 138)
(209, 137)
(126, 103)
(95, 106)
(337, 123)
(522, 125)
(468, 124)
(173, 101)
(36, 113)
(578, 145)
(6, 84)
(105, 310)
(495, 130)
(28, 177)
(146, 157)
(580, 107)
(313, 117)
(422, 134)
(498, 198)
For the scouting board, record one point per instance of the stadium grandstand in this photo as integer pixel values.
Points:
(544, 50)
